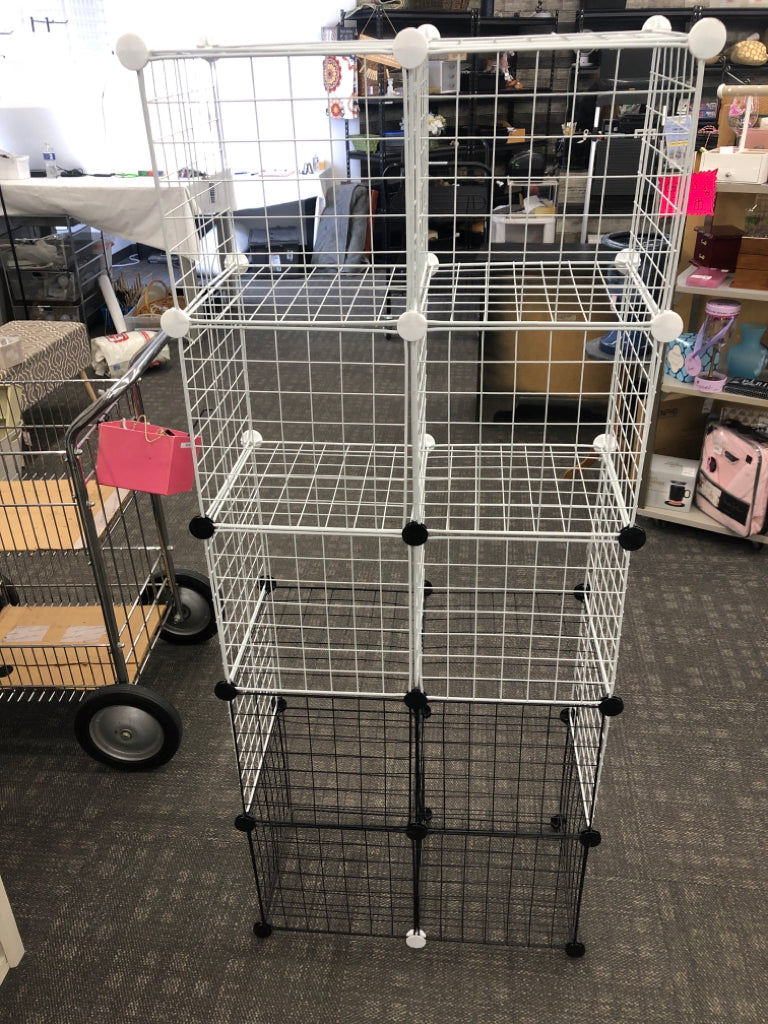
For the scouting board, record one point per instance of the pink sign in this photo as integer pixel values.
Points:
(701, 195)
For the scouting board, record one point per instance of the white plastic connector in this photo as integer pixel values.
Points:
(657, 23)
(429, 32)
(416, 938)
(605, 443)
(251, 439)
(132, 51)
(706, 38)
(175, 323)
(429, 442)
(412, 326)
(410, 47)
(627, 260)
(236, 261)
(666, 326)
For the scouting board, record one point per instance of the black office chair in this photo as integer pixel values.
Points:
(459, 198)
(459, 205)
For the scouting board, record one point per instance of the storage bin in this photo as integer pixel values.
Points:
(511, 224)
(42, 311)
(443, 76)
(42, 286)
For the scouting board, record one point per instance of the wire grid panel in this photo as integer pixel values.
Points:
(321, 402)
(501, 860)
(306, 430)
(53, 632)
(501, 619)
(241, 130)
(506, 620)
(328, 614)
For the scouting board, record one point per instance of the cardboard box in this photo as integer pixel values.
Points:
(680, 424)
(671, 482)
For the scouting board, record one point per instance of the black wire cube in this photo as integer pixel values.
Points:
(368, 816)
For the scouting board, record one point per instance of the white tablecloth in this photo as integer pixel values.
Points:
(127, 207)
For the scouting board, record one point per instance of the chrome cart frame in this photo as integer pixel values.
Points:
(88, 581)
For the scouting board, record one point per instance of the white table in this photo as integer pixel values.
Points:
(125, 207)
(128, 207)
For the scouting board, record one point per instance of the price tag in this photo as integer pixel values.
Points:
(701, 195)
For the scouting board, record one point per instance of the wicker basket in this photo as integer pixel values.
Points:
(156, 298)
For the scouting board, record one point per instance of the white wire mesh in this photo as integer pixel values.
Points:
(314, 412)
(243, 129)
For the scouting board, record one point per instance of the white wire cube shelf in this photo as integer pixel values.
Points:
(499, 490)
(235, 133)
(421, 450)
(545, 293)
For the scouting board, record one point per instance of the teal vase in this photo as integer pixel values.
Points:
(748, 357)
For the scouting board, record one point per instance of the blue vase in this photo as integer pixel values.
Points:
(748, 358)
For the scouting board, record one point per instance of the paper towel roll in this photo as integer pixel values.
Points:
(112, 304)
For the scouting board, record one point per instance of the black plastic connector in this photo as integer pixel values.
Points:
(632, 538)
(225, 690)
(415, 700)
(415, 534)
(202, 527)
(245, 823)
(611, 706)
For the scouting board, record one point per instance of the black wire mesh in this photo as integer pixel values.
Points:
(369, 817)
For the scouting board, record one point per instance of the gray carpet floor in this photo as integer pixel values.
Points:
(135, 897)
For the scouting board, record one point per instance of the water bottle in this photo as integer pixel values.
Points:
(49, 160)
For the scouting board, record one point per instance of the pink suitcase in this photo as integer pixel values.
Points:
(732, 485)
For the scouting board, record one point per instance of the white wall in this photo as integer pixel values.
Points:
(220, 22)
(95, 101)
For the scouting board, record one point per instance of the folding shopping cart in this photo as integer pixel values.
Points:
(419, 474)
(88, 583)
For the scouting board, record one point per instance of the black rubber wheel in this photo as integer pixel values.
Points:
(262, 930)
(575, 950)
(128, 727)
(198, 621)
